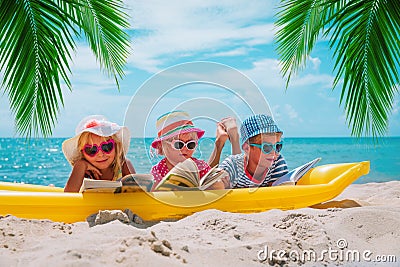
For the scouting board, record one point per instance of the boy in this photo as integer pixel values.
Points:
(260, 164)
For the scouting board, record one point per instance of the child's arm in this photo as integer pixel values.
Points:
(221, 137)
(226, 128)
(231, 128)
(74, 182)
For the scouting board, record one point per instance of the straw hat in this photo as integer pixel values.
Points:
(99, 125)
(258, 124)
(172, 124)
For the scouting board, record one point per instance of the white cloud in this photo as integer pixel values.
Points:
(230, 53)
(276, 112)
(286, 112)
(173, 29)
(324, 80)
(291, 112)
(316, 62)
(266, 74)
(83, 59)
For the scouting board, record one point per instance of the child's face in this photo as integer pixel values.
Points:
(100, 160)
(258, 157)
(174, 154)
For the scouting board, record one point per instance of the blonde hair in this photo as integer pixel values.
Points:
(159, 148)
(119, 159)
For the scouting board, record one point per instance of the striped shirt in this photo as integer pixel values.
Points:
(234, 165)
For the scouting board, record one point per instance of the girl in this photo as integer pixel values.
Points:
(177, 140)
(97, 151)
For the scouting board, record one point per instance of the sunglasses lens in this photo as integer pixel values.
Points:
(191, 145)
(278, 147)
(107, 147)
(91, 150)
(179, 145)
(267, 148)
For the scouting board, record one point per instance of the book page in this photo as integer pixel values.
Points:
(96, 184)
(184, 173)
(285, 179)
(211, 177)
(300, 171)
(136, 182)
(175, 187)
(186, 169)
(294, 175)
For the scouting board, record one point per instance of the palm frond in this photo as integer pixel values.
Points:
(365, 38)
(102, 22)
(36, 50)
(36, 45)
(299, 24)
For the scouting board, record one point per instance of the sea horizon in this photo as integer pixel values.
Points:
(41, 161)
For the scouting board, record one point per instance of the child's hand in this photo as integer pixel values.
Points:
(222, 134)
(90, 170)
(230, 126)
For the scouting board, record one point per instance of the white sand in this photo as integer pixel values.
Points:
(365, 217)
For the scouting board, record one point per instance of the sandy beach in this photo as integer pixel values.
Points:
(358, 228)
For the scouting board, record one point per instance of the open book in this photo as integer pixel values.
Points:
(185, 176)
(294, 175)
(129, 183)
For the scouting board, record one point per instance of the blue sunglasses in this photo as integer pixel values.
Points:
(266, 148)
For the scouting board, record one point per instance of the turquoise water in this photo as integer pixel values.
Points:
(41, 161)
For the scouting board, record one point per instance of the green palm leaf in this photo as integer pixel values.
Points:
(34, 51)
(102, 22)
(299, 25)
(364, 35)
(365, 39)
(36, 45)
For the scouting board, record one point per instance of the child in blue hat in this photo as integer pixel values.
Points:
(261, 163)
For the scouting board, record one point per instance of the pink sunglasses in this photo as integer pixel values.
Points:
(107, 147)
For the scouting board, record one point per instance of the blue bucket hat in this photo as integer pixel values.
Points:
(258, 124)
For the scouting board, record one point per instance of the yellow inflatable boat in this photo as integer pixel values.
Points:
(320, 184)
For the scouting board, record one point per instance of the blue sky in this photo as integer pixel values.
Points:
(238, 35)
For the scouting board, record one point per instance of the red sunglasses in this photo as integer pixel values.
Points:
(107, 147)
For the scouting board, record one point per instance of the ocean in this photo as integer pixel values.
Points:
(41, 161)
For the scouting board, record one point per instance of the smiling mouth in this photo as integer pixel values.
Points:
(101, 161)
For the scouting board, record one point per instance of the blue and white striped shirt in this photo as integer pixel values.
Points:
(234, 165)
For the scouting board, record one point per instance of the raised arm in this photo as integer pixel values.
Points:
(226, 129)
(221, 137)
(233, 134)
